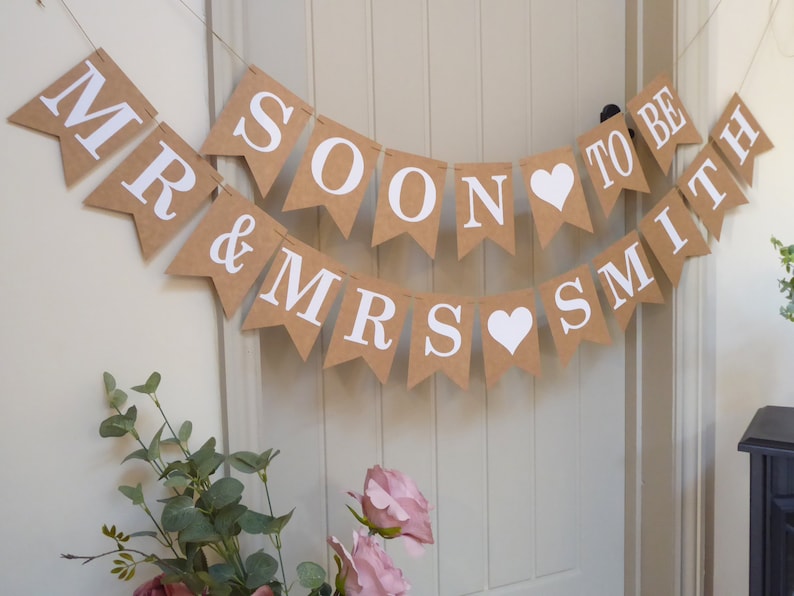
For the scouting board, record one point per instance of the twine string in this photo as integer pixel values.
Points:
(212, 32)
(79, 25)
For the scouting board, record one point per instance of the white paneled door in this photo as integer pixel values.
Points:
(527, 478)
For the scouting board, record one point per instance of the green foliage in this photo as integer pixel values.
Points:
(311, 575)
(786, 284)
(202, 513)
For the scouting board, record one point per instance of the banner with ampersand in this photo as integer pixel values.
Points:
(231, 246)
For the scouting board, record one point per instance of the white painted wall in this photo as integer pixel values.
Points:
(753, 343)
(77, 298)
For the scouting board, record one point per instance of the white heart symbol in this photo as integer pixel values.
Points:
(553, 187)
(510, 329)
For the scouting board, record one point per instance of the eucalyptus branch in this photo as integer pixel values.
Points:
(147, 557)
(204, 516)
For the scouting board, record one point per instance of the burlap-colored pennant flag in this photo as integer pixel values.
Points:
(710, 188)
(369, 325)
(231, 245)
(573, 312)
(509, 334)
(627, 278)
(555, 192)
(611, 161)
(334, 172)
(484, 206)
(662, 120)
(298, 292)
(739, 138)
(261, 123)
(162, 183)
(409, 199)
(672, 235)
(441, 333)
(94, 109)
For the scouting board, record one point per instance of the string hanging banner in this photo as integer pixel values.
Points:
(95, 110)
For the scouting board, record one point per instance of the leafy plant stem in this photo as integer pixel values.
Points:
(277, 536)
(184, 448)
(155, 466)
(87, 559)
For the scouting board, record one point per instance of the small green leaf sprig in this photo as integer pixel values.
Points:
(203, 515)
(786, 284)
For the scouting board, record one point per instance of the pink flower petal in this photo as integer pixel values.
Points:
(382, 500)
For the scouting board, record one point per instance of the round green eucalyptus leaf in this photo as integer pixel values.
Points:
(310, 575)
(223, 492)
(179, 513)
(244, 461)
(185, 431)
(254, 522)
(261, 569)
(133, 493)
(200, 530)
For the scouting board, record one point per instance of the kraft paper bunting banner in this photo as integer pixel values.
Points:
(261, 123)
(409, 199)
(662, 120)
(94, 109)
(509, 334)
(484, 206)
(611, 161)
(574, 312)
(231, 245)
(162, 184)
(627, 278)
(740, 138)
(298, 292)
(369, 325)
(334, 172)
(710, 188)
(555, 193)
(672, 235)
(441, 337)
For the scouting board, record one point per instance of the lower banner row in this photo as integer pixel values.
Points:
(236, 239)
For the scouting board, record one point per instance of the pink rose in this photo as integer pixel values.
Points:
(368, 570)
(392, 500)
(155, 587)
(263, 591)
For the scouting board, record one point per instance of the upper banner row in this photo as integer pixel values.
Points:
(263, 121)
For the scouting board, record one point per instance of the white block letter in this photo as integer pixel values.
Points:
(363, 315)
(570, 305)
(744, 130)
(664, 219)
(321, 156)
(596, 149)
(154, 172)
(611, 272)
(264, 121)
(662, 131)
(122, 113)
(428, 200)
(443, 329)
(496, 210)
(702, 176)
(323, 281)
